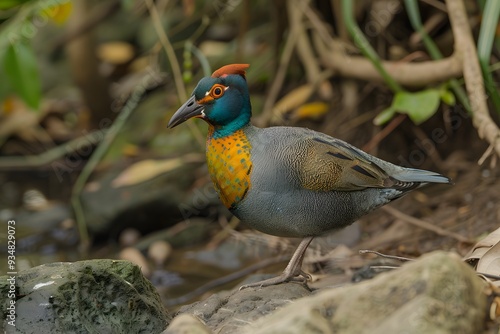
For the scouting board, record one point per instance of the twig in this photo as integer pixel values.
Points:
(485, 155)
(436, 4)
(386, 256)
(165, 42)
(432, 152)
(383, 267)
(266, 115)
(407, 74)
(98, 15)
(425, 225)
(416, 22)
(96, 157)
(174, 64)
(304, 49)
(384, 132)
(365, 47)
(52, 154)
(467, 53)
(225, 279)
(490, 276)
(318, 24)
(487, 35)
(243, 29)
(434, 22)
(227, 229)
(201, 57)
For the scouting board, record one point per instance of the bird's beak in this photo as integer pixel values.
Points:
(188, 110)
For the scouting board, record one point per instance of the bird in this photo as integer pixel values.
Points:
(288, 181)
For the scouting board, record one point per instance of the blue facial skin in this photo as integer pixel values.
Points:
(230, 112)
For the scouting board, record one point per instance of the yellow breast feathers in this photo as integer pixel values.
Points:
(229, 165)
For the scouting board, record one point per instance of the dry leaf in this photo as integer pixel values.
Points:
(133, 255)
(490, 261)
(18, 119)
(115, 52)
(313, 110)
(147, 169)
(292, 100)
(485, 255)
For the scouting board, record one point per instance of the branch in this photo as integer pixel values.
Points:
(465, 50)
(53, 154)
(406, 74)
(97, 16)
(425, 225)
(169, 50)
(286, 55)
(296, 11)
(174, 64)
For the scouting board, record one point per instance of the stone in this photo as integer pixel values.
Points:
(435, 294)
(94, 296)
(187, 324)
(228, 312)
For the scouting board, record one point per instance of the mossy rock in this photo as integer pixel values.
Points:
(94, 296)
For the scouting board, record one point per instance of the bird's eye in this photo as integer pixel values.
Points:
(217, 91)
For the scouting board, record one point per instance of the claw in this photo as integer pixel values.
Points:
(283, 278)
(293, 271)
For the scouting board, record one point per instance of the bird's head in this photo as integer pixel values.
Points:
(222, 100)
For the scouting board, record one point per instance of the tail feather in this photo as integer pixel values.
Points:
(420, 176)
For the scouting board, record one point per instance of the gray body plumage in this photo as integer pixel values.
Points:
(277, 202)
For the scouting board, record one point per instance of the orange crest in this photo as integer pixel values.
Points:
(231, 69)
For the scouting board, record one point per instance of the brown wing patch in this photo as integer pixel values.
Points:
(339, 155)
(363, 171)
(319, 173)
(327, 166)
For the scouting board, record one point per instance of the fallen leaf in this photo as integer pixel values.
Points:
(485, 255)
(313, 110)
(115, 52)
(20, 121)
(60, 13)
(292, 100)
(147, 169)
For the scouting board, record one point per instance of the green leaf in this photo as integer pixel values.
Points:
(447, 97)
(21, 70)
(487, 36)
(8, 4)
(127, 4)
(5, 88)
(385, 116)
(419, 106)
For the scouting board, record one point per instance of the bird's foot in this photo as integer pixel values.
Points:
(292, 272)
(300, 277)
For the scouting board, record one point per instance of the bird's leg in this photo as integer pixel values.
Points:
(293, 271)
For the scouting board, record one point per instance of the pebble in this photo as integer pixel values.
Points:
(159, 252)
(135, 256)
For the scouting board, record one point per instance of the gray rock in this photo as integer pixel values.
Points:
(95, 296)
(228, 312)
(436, 294)
(187, 324)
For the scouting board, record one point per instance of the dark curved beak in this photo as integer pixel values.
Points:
(188, 110)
